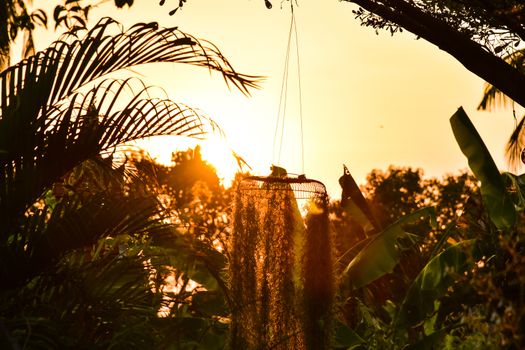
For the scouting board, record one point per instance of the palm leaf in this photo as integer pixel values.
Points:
(66, 66)
(515, 146)
(47, 126)
(98, 302)
(57, 111)
(74, 225)
(493, 98)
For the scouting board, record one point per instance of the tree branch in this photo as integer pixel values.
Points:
(472, 55)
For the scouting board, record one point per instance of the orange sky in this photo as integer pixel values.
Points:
(368, 101)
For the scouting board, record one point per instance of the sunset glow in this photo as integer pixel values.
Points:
(218, 153)
(215, 150)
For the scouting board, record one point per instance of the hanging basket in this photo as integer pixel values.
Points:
(301, 187)
(281, 265)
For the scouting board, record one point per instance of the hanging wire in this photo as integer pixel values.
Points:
(300, 91)
(280, 123)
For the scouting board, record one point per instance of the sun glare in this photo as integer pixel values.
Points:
(215, 150)
(218, 153)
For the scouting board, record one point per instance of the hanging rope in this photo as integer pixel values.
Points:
(283, 99)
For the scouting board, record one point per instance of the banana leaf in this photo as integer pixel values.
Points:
(353, 201)
(497, 200)
(382, 253)
(431, 283)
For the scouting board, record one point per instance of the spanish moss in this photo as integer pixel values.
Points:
(281, 275)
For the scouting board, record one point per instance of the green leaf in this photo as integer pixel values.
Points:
(431, 283)
(346, 337)
(381, 254)
(431, 341)
(197, 261)
(499, 204)
(358, 215)
(210, 303)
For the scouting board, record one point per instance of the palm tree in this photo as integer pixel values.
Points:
(493, 98)
(64, 275)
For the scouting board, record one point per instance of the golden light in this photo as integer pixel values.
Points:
(216, 151)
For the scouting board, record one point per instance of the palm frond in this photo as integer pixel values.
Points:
(39, 133)
(57, 112)
(47, 126)
(71, 63)
(515, 146)
(48, 235)
(493, 98)
(97, 301)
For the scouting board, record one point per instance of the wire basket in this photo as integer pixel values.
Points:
(302, 187)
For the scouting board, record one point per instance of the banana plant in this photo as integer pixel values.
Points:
(418, 320)
(379, 252)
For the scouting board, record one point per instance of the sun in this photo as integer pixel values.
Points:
(216, 151)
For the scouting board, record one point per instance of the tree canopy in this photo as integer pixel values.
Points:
(17, 18)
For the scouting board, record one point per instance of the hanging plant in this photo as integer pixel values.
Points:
(281, 266)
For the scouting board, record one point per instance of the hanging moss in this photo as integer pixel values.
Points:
(319, 284)
(243, 284)
(280, 224)
(281, 275)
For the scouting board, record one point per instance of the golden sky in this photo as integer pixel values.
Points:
(368, 100)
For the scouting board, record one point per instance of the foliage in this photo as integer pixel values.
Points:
(494, 24)
(500, 258)
(396, 286)
(190, 190)
(83, 258)
(493, 98)
(179, 4)
(15, 18)
(396, 200)
(365, 267)
(399, 191)
(464, 295)
(395, 194)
